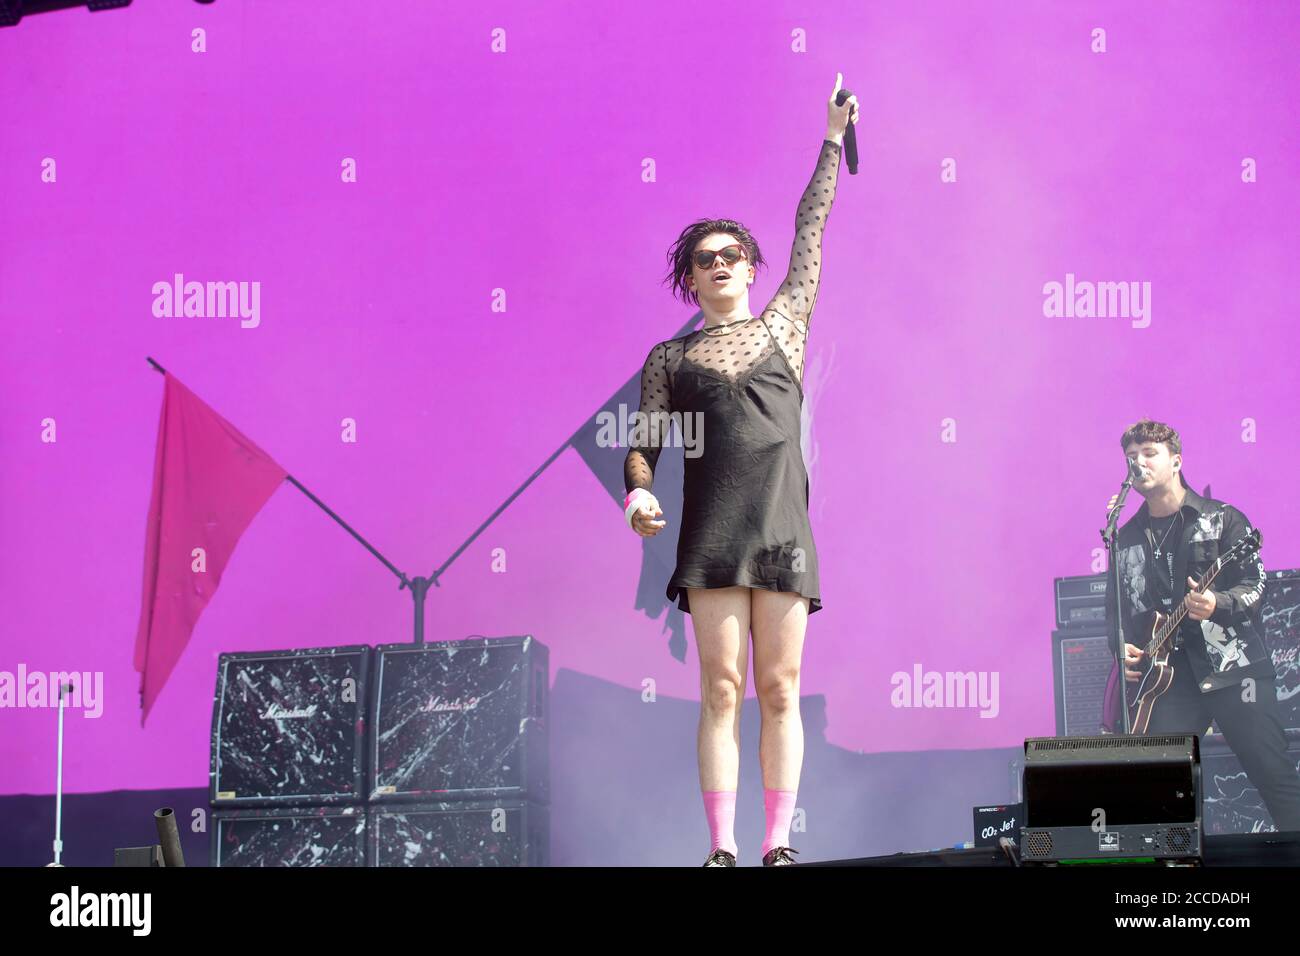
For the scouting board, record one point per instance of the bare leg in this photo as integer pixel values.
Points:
(779, 620)
(720, 619)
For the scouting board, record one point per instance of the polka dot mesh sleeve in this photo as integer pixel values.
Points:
(790, 311)
(649, 429)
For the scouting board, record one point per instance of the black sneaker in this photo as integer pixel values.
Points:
(779, 856)
(720, 857)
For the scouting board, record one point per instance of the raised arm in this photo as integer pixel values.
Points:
(651, 426)
(790, 311)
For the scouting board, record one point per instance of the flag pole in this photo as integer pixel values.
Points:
(420, 585)
(328, 510)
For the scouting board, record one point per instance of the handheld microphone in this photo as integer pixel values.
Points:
(1134, 469)
(850, 138)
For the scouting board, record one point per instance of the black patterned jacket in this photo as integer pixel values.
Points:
(1232, 645)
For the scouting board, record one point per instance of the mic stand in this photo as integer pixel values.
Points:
(1110, 536)
(58, 784)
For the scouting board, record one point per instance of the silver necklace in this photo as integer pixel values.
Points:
(1164, 537)
(705, 329)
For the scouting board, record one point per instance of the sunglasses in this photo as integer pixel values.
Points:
(730, 256)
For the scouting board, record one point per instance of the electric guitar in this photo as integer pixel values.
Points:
(1158, 673)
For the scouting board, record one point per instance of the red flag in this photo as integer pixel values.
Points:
(209, 481)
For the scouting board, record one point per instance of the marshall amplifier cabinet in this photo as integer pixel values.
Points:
(290, 836)
(460, 720)
(1081, 601)
(288, 727)
(1081, 663)
(507, 832)
(1117, 798)
(1232, 802)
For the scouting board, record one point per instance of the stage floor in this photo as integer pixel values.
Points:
(1235, 849)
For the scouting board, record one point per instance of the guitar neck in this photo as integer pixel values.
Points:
(1175, 618)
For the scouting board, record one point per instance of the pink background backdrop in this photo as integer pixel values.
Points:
(522, 171)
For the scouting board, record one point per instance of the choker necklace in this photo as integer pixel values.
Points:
(705, 329)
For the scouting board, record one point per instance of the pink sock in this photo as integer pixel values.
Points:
(779, 805)
(720, 808)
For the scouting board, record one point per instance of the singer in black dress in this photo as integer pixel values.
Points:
(745, 497)
(745, 552)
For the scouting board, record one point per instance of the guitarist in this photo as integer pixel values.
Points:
(1222, 666)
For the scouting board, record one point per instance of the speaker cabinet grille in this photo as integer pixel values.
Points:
(1179, 839)
(1038, 844)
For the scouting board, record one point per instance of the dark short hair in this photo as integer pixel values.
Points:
(679, 256)
(1146, 430)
